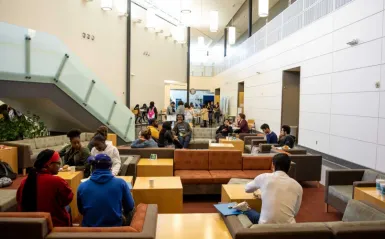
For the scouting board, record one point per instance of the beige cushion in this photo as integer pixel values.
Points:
(41, 143)
(50, 141)
(83, 137)
(246, 223)
(60, 140)
(30, 142)
(89, 136)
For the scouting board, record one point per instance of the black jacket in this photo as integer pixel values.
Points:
(225, 133)
(288, 140)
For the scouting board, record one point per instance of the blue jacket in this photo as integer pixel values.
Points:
(102, 198)
(271, 138)
(144, 144)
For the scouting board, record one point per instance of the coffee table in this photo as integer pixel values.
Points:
(155, 168)
(128, 179)
(73, 179)
(167, 193)
(8, 154)
(236, 193)
(237, 143)
(369, 194)
(219, 146)
(191, 226)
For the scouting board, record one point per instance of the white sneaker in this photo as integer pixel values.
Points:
(243, 206)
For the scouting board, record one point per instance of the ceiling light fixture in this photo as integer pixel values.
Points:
(121, 7)
(150, 18)
(214, 21)
(106, 5)
(263, 8)
(232, 35)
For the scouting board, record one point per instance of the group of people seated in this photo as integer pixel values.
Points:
(285, 139)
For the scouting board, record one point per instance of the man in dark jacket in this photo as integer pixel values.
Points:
(103, 198)
(224, 130)
(285, 138)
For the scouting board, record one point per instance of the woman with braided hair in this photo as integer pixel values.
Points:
(42, 191)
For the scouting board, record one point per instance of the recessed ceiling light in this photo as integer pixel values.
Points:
(185, 11)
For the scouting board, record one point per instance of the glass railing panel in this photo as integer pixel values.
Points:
(119, 119)
(47, 52)
(101, 101)
(12, 48)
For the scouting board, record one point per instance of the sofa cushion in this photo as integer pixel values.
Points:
(314, 230)
(41, 143)
(7, 199)
(369, 175)
(30, 142)
(358, 211)
(194, 176)
(61, 140)
(224, 176)
(227, 159)
(255, 173)
(94, 229)
(200, 141)
(139, 217)
(202, 133)
(343, 192)
(191, 159)
(257, 162)
(89, 136)
(45, 215)
(247, 148)
(83, 137)
(239, 181)
(50, 141)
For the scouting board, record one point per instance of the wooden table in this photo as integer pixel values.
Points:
(191, 226)
(9, 155)
(113, 138)
(73, 179)
(167, 193)
(236, 193)
(219, 146)
(237, 143)
(128, 179)
(155, 168)
(369, 194)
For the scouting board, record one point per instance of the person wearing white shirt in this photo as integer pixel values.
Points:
(100, 147)
(281, 195)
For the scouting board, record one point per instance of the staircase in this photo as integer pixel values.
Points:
(41, 74)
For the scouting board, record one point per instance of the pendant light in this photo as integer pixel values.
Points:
(232, 35)
(263, 8)
(214, 21)
(106, 5)
(150, 18)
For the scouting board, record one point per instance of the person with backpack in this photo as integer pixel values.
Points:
(152, 112)
(42, 191)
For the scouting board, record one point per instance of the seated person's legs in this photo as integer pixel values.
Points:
(181, 140)
(186, 142)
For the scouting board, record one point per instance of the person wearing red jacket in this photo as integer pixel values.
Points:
(42, 191)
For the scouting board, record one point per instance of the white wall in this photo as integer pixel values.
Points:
(105, 56)
(167, 61)
(342, 113)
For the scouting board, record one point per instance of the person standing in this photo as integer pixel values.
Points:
(281, 195)
(210, 109)
(183, 130)
(217, 112)
(152, 112)
(271, 137)
(102, 148)
(143, 111)
(171, 111)
(137, 113)
(75, 154)
(188, 113)
(204, 115)
(180, 110)
(43, 191)
(103, 198)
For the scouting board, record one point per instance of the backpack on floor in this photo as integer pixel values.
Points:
(6, 171)
(5, 182)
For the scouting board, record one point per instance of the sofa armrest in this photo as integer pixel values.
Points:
(341, 177)
(361, 184)
(130, 169)
(257, 142)
(24, 153)
(248, 139)
(292, 170)
(233, 224)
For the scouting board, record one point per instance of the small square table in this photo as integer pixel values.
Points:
(8, 154)
(236, 193)
(128, 179)
(369, 194)
(73, 179)
(155, 167)
(219, 146)
(167, 193)
(237, 143)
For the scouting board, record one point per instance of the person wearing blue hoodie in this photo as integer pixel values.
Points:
(103, 198)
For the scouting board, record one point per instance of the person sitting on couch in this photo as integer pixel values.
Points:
(183, 130)
(242, 124)
(102, 130)
(103, 197)
(271, 137)
(285, 139)
(224, 130)
(75, 154)
(281, 195)
(102, 148)
(42, 191)
(144, 141)
(167, 139)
